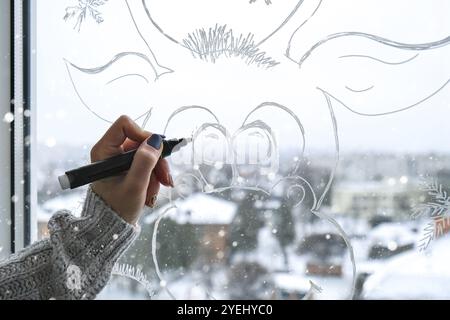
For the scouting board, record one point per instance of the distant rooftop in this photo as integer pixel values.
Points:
(72, 201)
(292, 282)
(413, 275)
(386, 233)
(390, 185)
(199, 209)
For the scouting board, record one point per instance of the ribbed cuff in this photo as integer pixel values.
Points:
(90, 245)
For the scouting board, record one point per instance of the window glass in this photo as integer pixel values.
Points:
(320, 159)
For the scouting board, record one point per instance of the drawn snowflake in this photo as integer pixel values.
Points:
(85, 9)
(436, 209)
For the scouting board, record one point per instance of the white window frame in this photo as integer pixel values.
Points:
(18, 196)
(5, 136)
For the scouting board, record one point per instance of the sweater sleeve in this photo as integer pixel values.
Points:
(75, 262)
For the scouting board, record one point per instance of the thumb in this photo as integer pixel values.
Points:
(145, 159)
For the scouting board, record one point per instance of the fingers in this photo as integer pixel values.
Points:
(123, 128)
(162, 172)
(111, 142)
(147, 155)
(152, 191)
(131, 145)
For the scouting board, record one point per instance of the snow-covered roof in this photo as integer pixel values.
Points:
(370, 266)
(199, 209)
(43, 216)
(289, 281)
(386, 233)
(413, 275)
(72, 201)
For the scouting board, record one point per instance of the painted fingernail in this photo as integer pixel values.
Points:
(155, 141)
(153, 201)
(171, 181)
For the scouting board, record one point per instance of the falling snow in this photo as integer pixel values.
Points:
(50, 142)
(218, 165)
(8, 117)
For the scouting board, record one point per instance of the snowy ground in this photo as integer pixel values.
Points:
(412, 274)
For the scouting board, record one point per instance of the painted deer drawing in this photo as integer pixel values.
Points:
(275, 73)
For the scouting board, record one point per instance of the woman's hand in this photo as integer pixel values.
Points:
(129, 193)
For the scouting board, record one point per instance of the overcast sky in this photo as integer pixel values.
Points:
(231, 89)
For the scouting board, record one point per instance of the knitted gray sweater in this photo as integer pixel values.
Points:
(75, 262)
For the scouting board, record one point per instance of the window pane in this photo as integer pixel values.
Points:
(318, 141)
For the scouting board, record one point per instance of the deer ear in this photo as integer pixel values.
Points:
(371, 75)
(121, 86)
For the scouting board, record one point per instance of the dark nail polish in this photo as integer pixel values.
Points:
(155, 141)
(153, 201)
